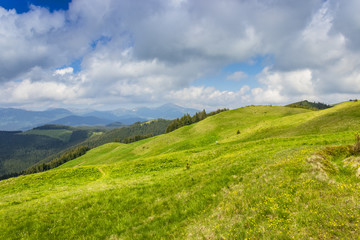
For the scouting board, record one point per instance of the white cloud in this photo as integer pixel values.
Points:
(347, 21)
(140, 52)
(267, 96)
(209, 97)
(315, 46)
(24, 42)
(288, 83)
(237, 76)
(41, 91)
(63, 71)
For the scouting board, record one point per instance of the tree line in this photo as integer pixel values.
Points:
(41, 146)
(128, 134)
(133, 133)
(28, 149)
(309, 105)
(67, 156)
(187, 119)
(134, 138)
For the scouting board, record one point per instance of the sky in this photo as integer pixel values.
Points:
(108, 54)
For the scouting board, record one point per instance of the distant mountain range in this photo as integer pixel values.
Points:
(167, 111)
(18, 119)
(12, 119)
(74, 120)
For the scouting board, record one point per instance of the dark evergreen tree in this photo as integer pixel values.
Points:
(187, 119)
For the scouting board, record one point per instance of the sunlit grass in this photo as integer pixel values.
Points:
(202, 181)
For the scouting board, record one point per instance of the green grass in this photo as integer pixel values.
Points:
(202, 181)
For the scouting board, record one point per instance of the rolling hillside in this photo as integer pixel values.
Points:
(25, 150)
(258, 172)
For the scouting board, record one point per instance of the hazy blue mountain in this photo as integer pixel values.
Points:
(166, 111)
(18, 119)
(74, 120)
(12, 119)
(102, 114)
(172, 111)
(115, 125)
(123, 112)
(128, 120)
(56, 112)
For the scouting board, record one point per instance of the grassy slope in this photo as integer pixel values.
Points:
(256, 184)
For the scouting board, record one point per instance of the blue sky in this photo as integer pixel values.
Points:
(223, 82)
(204, 54)
(22, 6)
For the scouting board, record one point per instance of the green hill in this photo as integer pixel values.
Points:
(28, 150)
(60, 132)
(154, 127)
(309, 105)
(21, 150)
(258, 172)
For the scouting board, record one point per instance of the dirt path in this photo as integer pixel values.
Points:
(79, 164)
(102, 172)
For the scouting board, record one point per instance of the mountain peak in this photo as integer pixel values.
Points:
(170, 105)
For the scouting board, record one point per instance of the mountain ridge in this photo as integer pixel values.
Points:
(12, 119)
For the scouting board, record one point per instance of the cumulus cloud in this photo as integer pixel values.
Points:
(64, 71)
(149, 52)
(279, 87)
(24, 41)
(209, 97)
(237, 76)
(347, 21)
(41, 91)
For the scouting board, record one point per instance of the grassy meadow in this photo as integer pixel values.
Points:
(258, 172)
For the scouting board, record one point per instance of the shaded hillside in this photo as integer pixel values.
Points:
(309, 105)
(258, 172)
(154, 127)
(21, 150)
(133, 133)
(18, 152)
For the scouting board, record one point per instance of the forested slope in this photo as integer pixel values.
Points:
(20, 150)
